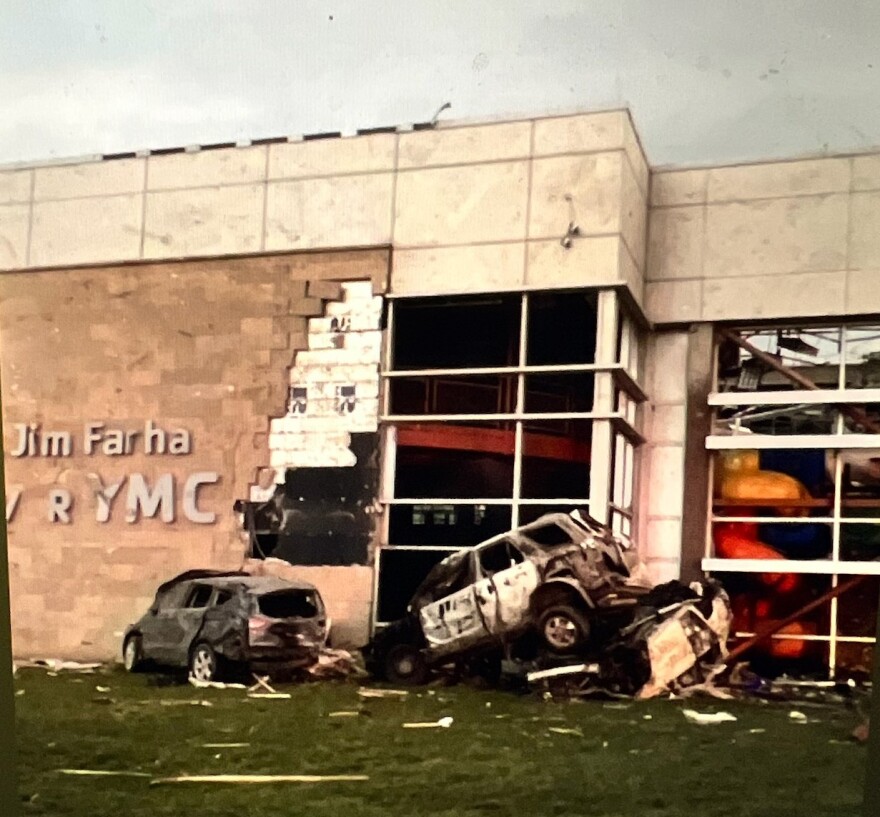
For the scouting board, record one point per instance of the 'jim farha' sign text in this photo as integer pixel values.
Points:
(99, 440)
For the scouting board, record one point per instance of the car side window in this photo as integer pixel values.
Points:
(551, 535)
(199, 597)
(499, 556)
(222, 597)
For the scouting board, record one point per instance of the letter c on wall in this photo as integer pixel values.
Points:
(191, 496)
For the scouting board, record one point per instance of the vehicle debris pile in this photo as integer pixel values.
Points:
(569, 604)
(673, 645)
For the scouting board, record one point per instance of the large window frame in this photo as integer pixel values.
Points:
(615, 421)
(836, 402)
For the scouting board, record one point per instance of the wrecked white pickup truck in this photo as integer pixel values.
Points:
(561, 578)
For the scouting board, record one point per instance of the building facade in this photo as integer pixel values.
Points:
(343, 357)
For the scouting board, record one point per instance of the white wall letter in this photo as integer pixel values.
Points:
(13, 497)
(104, 495)
(180, 442)
(92, 435)
(60, 501)
(139, 496)
(56, 444)
(191, 497)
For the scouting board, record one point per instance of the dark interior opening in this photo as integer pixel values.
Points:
(289, 604)
(400, 574)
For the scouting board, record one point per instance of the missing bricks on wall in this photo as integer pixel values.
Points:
(312, 502)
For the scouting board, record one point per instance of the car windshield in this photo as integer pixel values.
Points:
(289, 604)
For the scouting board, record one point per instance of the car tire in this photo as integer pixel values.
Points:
(133, 653)
(405, 664)
(204, 663)
(563, 628)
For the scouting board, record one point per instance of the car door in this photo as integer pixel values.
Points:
(179, 625)
(453, 621)
(507, 581)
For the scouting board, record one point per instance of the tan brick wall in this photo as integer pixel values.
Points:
(200, 345)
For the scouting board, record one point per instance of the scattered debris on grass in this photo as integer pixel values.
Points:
(344, 713)
(185, 703)
(269, 696)
(798, 717)
(101, 773)
(262, 683)
(335, 664)
(367, 692)
(57, 665)
(225, 745)
(556, 672)
(213, 684)
(561, 730)
(443, 723)
(256, 779)
(706, 718)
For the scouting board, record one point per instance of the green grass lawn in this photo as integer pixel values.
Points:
(500, 756)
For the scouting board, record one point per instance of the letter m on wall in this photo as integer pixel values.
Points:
(143, 502)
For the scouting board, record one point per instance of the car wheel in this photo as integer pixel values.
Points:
(404, 664)
(563, 628)
(133, 653)
(203, 663)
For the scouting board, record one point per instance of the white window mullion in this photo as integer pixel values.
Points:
(603, 402)
(520, 409)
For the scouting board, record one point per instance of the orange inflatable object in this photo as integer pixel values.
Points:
(740, 478)
(739, 540)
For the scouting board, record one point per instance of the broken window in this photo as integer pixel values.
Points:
(490, 405)
(796, 477)
(289, 604)
(498, 556)
(200, 596)
(549, 535)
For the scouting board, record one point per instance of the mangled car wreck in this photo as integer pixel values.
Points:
(214, 624)
(563, 589)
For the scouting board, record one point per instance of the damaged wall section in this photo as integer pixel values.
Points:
(313, 506)
(203, 346)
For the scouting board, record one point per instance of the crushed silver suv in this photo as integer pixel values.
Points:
(558, 578)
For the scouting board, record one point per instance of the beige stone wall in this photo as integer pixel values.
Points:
(201, 345)
(467, 207)
(662, 457)
(782, 239)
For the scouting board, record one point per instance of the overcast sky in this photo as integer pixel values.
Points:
(708, 81)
